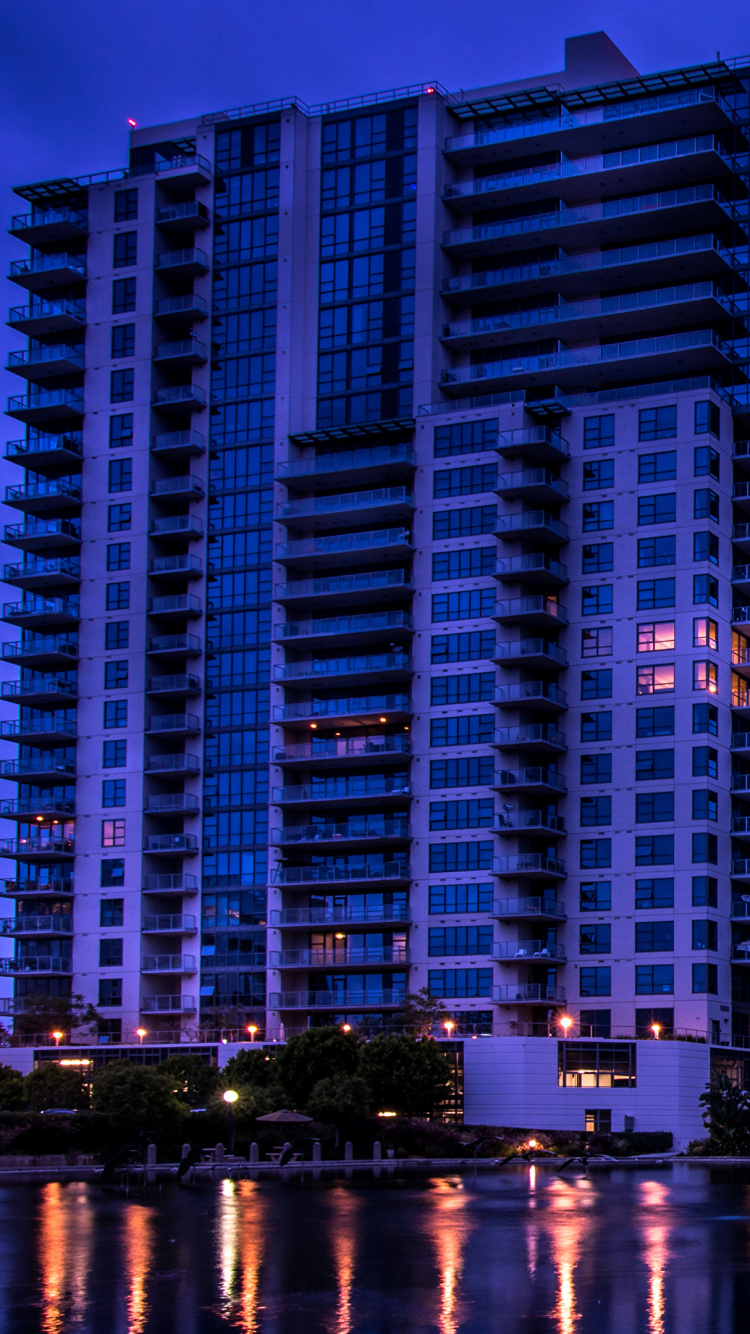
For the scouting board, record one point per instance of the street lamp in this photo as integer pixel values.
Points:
(140, 1033)
(58, 1036)
(566, 1023)
(252, 1030)
(449, 1026)
(656, 1030)
(346, 1028)
(230, 1098)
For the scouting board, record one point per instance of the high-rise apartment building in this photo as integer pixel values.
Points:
(380, 563)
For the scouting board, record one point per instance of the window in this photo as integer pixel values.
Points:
(655, 979)
(464, 481)
(113, 792)
(475, 771)
(120, 475)
(478, 813)
(461, 898)
(467, 689)
(655, 680)
(654, 850)
(595, 939)
(468, 605)
(115, 675)
(657, 550)
(113, 833)
(654, 894)
(707, 419)
(705, 848)
(705, 935)
(657, 423)
(468, 730)
(465, 647)
(116, 713)
(706, 547)
(124, 250)
(705, 762)
(118, 518)
(598, 432)
(459, 940)
(118, 556)
(654, 765)
(123, 341)
(598, 474)
(654, 722)
(598, 515)
(596, 981)
(596, 1064)
(596, 896)
(598, 1120)
(111, 911)
(465, 438)
(114, 754)
(597, 685)
(469, 522)
(110, 954)
(657, 509)
(705, 589)
(705, 633)
(117, 634)
(706, 719)
(112, 874)
(705, 804)
(596, 600)
(596, 769)
(655, 637)
(654, 594)
(121, 430)
(597, 557)
(595, 811)
(596, 642)
(705, 676)
(460, 857)
(706, 505)
(654, 807)
(122, 385)
(596, 726)
(463, 564)
(706, 978)
(123, 296)
(126, 205)
(110, 991)
(706, 461)
(595, 852)
(657, 467)
(705, 891)
(117, 597)
(457, 983)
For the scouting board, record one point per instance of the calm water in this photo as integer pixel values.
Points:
(626, 1251)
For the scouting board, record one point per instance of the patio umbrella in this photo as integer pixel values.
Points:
(283, 1115)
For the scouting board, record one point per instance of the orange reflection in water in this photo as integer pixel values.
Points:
(449, 1226)
(344, 1246)
(138, 1244)
(656, 1254)
(64, 1255)
(568, 1226)
(239, 1236)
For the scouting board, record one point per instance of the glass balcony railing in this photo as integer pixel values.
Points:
(529, 907)
(536, 563)
(341, 874)
(172, 764)
(176, 604)
(361, 998)
(385, 621)
(319, 668)
(48, 401)
(528, 993)
(170, 843)
(42, 645)
(346, 543)
(340, 707)
(189, 212)
(36, 963)
(345, 748)
(530, 776)
(64, 567)
(41, 610)
(44, 532)
(168, 963)
(188, 644)
(345, 460)
(18, 808)
(180, 395)
(168, 1005)
(530, 822)
(175, 443)
(39, 356)
(192, 258)
(172, 803)
(531, 479)
(397, 955)
(58, 489)
(541, 607)
(74, 218)
(352, 912)
(340, 789)
(364, 829)
(38, 443)
(356, 500)
(44, 726)
(177, 565)
(184, 349)
(51, 924)
(372, 581)
(174, 722)
(177, 683)
(529, 949)
(48, 264)
(532, 520)
(530, 734)
(177, 525)
(188, 306)
(529, 863)
(156, 923)
(522, 692)
(177, 883)
(44, 765)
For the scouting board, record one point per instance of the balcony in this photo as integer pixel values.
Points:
(374, 956)
(42, 318)
(323, 752)
(35, 963)
(173, 766)
(741, 657)
(171, 845)
(169, 963)
(368, 668)
(544, 613)
(177, 528)
(43, 534)
(176, 606)
(180, 398)
(540, 737)
(41, 692)
(55, 924)
(178, 444)
(47, 887)
(364, 710)
(42, 770)
(533, 525)
(356, 790)
(49, 226)
(741, 495)
(531, 779)
(177, 883)
(740, 908)
(532, 824)
(510, 951)
(385, 505)
(168, 1005)
(37, 613)
(175, 567)
(43, 497)
(43, 271)
(536, 444)
(534, 865)
(181, 309)
(379, 547)
(35, 574)
(46, 405)
(369, 628)
(536, 568)
(540, 908)
(351, 915)
(167, 924)
(528, 993)
(174, 724)
(179, 684)
(363, 830)
(531, 653)
(43, 651)
(336, 1000)
(740, 826)
(739, 870)
(44, 363)
(531, 694)
(43, 730)
(343, 589)
(46, 453)
(172, 803)
(741, 539)
(180, 355)
(181, 264)
(533, 484)
(741, 952)
(178, 172)
(740, 741)
(360, 874)
(38, 849)
(183, 219)
(175, 646)
(389, 463)
(27, 809)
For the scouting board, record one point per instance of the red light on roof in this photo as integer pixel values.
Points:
(132, 122)
(429, 90)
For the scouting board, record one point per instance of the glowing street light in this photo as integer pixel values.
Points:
(656, 1030)
(449, 1026)
(230, 1098)
(566, 1023)
(58, 1036)
(140, 1033)
(346, 1028)
(252, 1030)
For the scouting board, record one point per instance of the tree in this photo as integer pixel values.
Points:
(405, 1075)
(252, 1066)
(44, 1014)
(137, 1098)
(318, 1053)
(52, 1086)
(726, 1115)
(421, 1012)
(191, 1080)
(11, 1089)
(342, 1101)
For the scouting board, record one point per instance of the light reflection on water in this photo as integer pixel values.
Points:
(518, 1251)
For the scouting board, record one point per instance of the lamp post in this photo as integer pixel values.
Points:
(656, 1030)
(230, 1098)
(566, 1023)
(58, 1036)
(140, 1034)
(346, 1028)
(449, 1026)
(252, 1030)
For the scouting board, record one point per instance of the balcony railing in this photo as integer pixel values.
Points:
(46, 403)
(176, 443)
(511, 524)
(170, 843)
(522, 692)
(168, 1005)
(190, 645)
(172, 764)
(174, 722)
(191, 259)
(356, 500)
(511, 950)
(71, 356)
(168, 963)
(186, 486)
(340, 707)
(20, 691)
(526, 822)
(531, 776)
(529, 863)
(161, 923)
(345, 461)
(66, 567)
(189, 306)
(320, 668)
(336, 1000)
(172, 803)
(52, 924)
(340, 958)
(347, 544)
(529, 607)
(344, 748)
(325, 875)
(177, 883)
(36, 963)
(529, 907)
(175, 565)
(177, 525)
(353, 830)
(176, 604)
(531, 648)
(180, 396)
(71, 267)
(181, 683)
(376, 912)
(343, 584)
(530, 734)
(526, 992)
(19, 808)
(385, 621)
